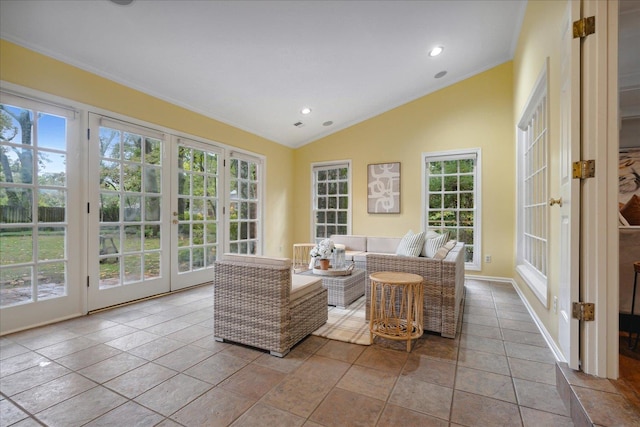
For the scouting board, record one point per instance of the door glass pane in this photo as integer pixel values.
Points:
(33, 202)
(197, 208)
(130, 207)
(243, 206)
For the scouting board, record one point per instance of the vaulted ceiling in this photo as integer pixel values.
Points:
(256, 64)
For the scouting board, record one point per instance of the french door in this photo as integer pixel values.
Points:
(195, 212)
(40, 164)
(128, 202)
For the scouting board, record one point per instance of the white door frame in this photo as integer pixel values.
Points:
(599, 252)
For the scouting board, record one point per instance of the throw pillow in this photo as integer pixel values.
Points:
(411, 244)
(432, 245)
(631, 210)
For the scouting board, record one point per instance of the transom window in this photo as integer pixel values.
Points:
(452, 199)
(331, 199)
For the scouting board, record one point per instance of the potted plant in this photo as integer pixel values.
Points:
(322, 251)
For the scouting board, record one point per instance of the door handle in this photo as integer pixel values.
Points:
(553, 201)
(175, 221)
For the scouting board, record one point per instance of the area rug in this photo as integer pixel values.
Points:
(348, 324)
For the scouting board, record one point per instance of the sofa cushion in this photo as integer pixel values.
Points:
(351, 242)
(384, 245)
(443, 250)
(432, 245)
(302, 285)
(255, 259)
(411, 244)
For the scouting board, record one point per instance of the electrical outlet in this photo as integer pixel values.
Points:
(487, 259)
(555, 304)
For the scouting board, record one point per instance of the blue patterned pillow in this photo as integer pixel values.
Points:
(411, 244)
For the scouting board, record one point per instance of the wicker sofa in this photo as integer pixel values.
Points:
(443, 278)
(259, 303)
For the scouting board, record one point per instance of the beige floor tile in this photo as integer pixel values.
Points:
(535, 418)
(167, 327)
(21, 362)
(523, 337)
(139, 380)
(216, 368)
(252, 381)
(532, 371)
(393, 416)
(53, 392)
(32, 377)
(483, 361)
(430, 370)
(544, 397)
(481, 330)
(485, 384)
(132, 414)
(132, 340)
(479, 319)
(369, 382)
(156, 348)
(343, 407)
(10, 413)
(67, 347)
(428, 398)
(299, 396)
(474, 410)
(183, 358)
(216, 407)
(382, 359)
(110, 334)
(89, 356)
(82, 408)
(517, 325)
(488, 345)
(260, 415)
(173, 394)
(112, 367)
(338, 350)
(11, 349)
(529, 352)
(190, 334)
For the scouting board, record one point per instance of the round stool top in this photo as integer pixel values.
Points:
(636, 266)
(395, 277)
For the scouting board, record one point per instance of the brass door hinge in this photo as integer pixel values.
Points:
(584, 169)
(584, 26)
(584, 311)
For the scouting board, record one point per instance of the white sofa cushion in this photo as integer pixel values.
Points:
(431, 245)
(351, 242)
(255, 259)
(302, 285)
(383, 245)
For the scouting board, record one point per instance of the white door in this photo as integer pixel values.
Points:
(195, 212)
(568, 333)
(40, 219)
(128, 222)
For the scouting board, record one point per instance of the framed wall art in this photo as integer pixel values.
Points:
(383, 188)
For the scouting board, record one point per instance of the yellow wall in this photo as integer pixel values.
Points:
(27, 68)
(475, 113)
(540, 37)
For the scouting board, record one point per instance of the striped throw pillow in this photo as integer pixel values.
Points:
(432, 245)
(411, 244)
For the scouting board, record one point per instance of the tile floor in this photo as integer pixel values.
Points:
(156, 363)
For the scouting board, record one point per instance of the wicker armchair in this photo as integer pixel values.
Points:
(255, 303)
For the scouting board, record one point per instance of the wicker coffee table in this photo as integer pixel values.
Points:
(343, 290)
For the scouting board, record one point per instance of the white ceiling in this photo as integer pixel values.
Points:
(255, 64)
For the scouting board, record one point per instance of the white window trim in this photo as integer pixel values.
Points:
(536, 281)
(330, 165)
(476, 264)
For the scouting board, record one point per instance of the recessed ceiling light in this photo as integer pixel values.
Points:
(327, 123)
(436, 51)
(305, 110)
(440, 74)
(122, 2)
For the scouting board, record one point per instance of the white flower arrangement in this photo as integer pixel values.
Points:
(323, 250)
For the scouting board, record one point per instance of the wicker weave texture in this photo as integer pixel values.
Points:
(252, 306)
(443, 290)
(343, 290)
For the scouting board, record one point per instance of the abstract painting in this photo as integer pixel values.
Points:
(383, 188)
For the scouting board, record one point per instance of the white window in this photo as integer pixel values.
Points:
(452, 198)
(331, 199)
(533, 171)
